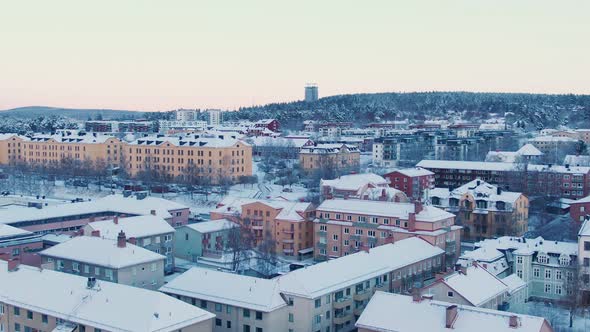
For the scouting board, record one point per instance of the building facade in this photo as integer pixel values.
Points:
(414, 182)
(330, 156)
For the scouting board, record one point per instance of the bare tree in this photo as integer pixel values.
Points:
(240, 240)
(267, 255)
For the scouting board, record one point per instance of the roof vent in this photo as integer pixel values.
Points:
(91, 282)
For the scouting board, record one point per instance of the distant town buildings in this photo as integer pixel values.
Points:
(215, 117)
(311, 92)
(118, 126)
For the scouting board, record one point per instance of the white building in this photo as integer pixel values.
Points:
(186, 115)
(33, 299)
(166, 126)
(215, 117)
(423, 314)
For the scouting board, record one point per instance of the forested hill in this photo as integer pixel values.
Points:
(538, 110)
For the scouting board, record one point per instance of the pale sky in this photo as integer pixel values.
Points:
(162, 55)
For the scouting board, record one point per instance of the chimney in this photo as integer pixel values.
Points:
(478, 182)
(418, 206)
(13, 264)
(513, 322)
(133, 240)
(121, 240)
(416, 296)
(412, 222)
(116, 220)
(91, 282)
(153, 212)
(451, 316)
(499, 191)
(95, 233)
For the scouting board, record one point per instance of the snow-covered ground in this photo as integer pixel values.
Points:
(558, 316)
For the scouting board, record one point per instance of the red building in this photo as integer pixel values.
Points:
(580, 208)
(412, 181)
(270, 124)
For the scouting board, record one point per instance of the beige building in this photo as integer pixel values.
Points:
(184, 158)
(328, 296)
(340, 157)
(33, 299)
(484, 210)
(104, 259)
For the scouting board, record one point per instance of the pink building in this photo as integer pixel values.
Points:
(343, 227)
(412, 181)
(16, 243)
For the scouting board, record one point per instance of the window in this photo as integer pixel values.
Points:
(203, 304)
(16, 327)
(450, 294)
(87, 269)
(558, 289)
(97, 270)
(385, 221)
(374, 220)
(547, 288)
(259, 329)
(109, 274)
(154, 267)
(317, 319)
(371, 233)
(258, 315)
(346, 230)
(76, 267)
(16, 311)
(318, 303)
(217, 322)
(228, 309)
(536, 272)
(291, 319)
(290, 302)
(586, 245)
(335, 248)
(547, 274)
(60, 264)
(228, 324)
(519, 259)
(335, 237)
(246, 328)
(29, 314)
(558, 275)
(246, 313)
(218, 307)
(44, 319)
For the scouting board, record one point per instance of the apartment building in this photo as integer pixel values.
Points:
(15, 242)
(339, 157)
(566, 181)
(118, 126)
(547, 267)
(584, 262)
(189, 158)
(328, 296)
(484, 210)
(287, 224)
(344, 227)
(425, 314)
(580, 208)
(33, 299)
(354, 186)
(550, 144)
(69, 218)
(149, 232)
(104, 259)
(203, 239)
(185, 158)
(169, 126)
(414, 182)
(279, 147)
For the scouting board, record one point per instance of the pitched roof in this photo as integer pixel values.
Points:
(529, 150)
(102, 252)
(429, 213)
(477, 286)
(108, 306)
(212, 226)
(414, 171)
(224, 287)
(354, 181)
(7, 231)
(429, 315)
(138, 227)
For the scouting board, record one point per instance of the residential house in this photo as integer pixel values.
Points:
(203, 239)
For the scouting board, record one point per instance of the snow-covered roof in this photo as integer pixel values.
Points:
(430, 315)
(479, 190)
(138, 227)
(332, 275)
(73, 136)
(498, 166)
(553, 139)
(477, 286)
(7, 231)
(585, 229)
(575, 160)
(415, 171)
(289, 210)
(102, 252)
(212, 226)
(279, 141)
(354, 182)
(113, 203)
(492, 126)
(529, 150)
(107, 306)
(429, 213)
(328, 148)
(188, 141)
(228, 288)
(514, 283)
(502, 156)
(529, 246)
(582, 200)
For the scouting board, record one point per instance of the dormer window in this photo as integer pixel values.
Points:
(435, 201)
(481, 204)
(564, 260)
(543, 258)
(500, 205)
(453, 202)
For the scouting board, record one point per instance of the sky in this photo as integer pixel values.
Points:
(162, 55)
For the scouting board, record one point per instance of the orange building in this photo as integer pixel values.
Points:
(288, 224)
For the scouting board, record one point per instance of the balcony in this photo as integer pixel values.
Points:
(288, 240)
(342, 317)
(258, 227)
(288, 251)
(288, 231)
(358, 311)
(355, 237)
(362, 295)
(343, 302)
(321, 245)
